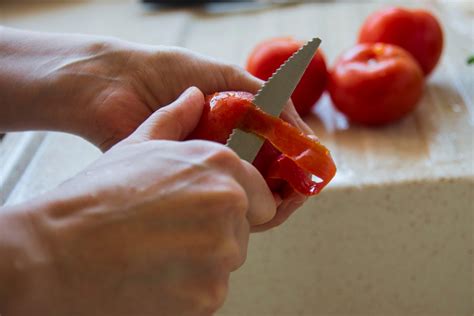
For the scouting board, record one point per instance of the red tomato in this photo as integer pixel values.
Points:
(288, 155)
(417, 31)
(376, 83)
(268, 56)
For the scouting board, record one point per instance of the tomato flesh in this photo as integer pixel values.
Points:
(287, 155)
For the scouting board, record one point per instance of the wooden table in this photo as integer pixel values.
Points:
(393, 233)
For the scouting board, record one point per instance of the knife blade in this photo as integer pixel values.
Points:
(272, 97)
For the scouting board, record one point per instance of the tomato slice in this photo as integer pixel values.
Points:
(294, 157)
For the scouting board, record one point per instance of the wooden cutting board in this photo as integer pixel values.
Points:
(393, 233)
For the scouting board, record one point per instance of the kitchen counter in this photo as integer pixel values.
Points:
(391, 235)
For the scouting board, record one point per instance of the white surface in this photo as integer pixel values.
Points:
(58, 157)
(392, 235)
(16, 151)
(403, 249)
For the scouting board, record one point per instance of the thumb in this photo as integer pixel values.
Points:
(174, 121)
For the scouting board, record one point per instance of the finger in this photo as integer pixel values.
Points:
(242, 235)
(238, 79)
(277, 198)
(262, 204)
(287, 207)
(174, 121)
(290, 115)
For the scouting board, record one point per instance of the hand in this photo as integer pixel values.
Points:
(158, 76)
(147, 78)
(128, 82)
(103, 89)
(153, 226)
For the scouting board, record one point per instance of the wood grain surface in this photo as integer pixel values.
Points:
(393, 233)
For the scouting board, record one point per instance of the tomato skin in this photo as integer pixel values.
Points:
(268, 56)
(417, 31)
(376, 84)
(221, 114)
(287, 158)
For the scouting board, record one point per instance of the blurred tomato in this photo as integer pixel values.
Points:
(375, 83)
(268, 56)
(417, 31)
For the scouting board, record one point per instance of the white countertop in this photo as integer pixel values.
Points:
(392, 234)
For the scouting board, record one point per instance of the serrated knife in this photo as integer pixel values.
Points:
(273, 96)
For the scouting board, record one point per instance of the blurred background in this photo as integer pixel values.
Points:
(391, 235)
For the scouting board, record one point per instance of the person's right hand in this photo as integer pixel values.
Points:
(153, 227)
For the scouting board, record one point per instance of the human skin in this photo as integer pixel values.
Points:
(125, 238)
(103, 88)
(155, 223)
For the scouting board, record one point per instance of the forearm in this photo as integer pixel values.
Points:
(36, 91)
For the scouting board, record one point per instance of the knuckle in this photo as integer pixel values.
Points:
(213, 295)
(210, 147)
(224, 157)
(229, 255)
(216, 155)
(198, 145)
(227, 201)
(233, 198)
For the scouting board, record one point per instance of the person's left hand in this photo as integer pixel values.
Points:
(121, 84)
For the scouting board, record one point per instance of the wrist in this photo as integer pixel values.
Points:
(43, 78)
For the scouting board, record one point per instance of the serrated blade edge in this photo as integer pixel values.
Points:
(276, 91)
(273, 96)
